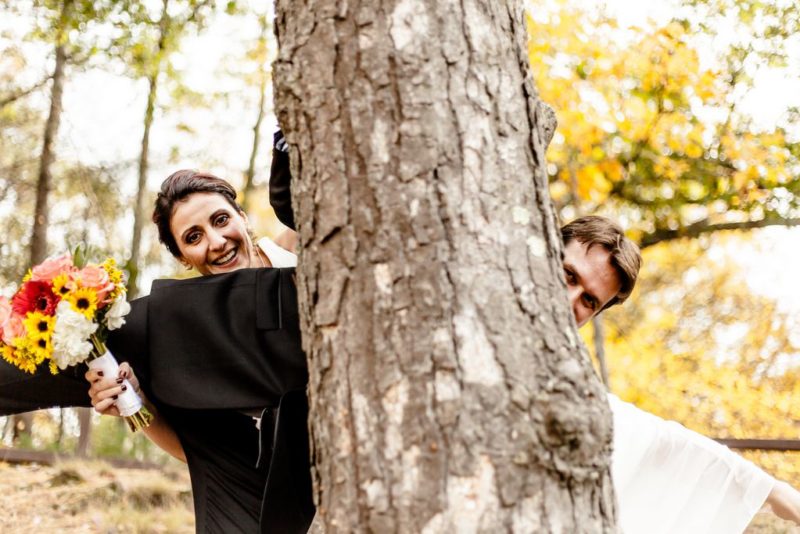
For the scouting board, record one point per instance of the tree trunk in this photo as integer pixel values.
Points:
(41, 214)
(262, 87)
(449, 390)
(141, 187)
(85, 437)
(22, 423)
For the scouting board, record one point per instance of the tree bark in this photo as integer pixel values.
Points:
(141, 186)
(449, 390)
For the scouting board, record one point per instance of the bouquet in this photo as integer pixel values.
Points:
(60, 317)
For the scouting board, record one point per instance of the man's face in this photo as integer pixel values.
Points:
(591, 279)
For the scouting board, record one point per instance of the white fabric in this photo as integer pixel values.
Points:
(671, 480)
(278, 256)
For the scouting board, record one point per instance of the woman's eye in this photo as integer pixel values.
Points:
(589, 302)
(191, 238)
(569, 276)
(222, 220)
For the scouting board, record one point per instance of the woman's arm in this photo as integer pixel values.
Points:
(104, 392)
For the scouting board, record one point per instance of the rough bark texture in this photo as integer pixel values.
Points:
(449, 391)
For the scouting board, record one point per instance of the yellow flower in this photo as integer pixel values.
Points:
(62, 285)
(114, 273)
(27, 276)
(40, 349)
(83, 300)
(39, 325)
(21, 356)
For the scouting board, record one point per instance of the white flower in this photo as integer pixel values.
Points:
(71, 343)
(115, 316)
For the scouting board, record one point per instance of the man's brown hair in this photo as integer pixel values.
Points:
(625, 255)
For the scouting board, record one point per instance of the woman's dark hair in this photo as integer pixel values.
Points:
(176, 188)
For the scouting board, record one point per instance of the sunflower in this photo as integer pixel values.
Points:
(84, 301)
(39, 325)
(62, 285)
(40, 349)
(23, 356)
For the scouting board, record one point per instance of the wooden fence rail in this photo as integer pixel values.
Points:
(18, 456)
(762, 444)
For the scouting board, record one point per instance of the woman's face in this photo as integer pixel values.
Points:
(211, 234)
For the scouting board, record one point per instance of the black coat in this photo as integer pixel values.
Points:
(205, 348)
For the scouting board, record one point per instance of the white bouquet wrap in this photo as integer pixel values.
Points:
(128, 403)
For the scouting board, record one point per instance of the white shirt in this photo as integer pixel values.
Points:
(671, 480)
(278, 256)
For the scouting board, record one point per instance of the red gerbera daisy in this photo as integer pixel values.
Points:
(35, 296)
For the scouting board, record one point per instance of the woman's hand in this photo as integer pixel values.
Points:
(105, 390)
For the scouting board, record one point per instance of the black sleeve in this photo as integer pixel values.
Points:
(280, 182)
(23, 392)
(226, 341)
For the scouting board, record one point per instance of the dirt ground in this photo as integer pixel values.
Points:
(94, 497)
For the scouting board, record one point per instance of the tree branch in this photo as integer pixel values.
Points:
(704, 227)
(10, 99)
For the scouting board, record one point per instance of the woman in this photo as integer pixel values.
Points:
(201, 224)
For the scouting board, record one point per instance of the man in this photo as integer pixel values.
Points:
(600, 266)
(668, 479)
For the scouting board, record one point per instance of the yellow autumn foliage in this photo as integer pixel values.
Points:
(694, 344)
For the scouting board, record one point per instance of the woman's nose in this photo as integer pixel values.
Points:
(216, 241)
